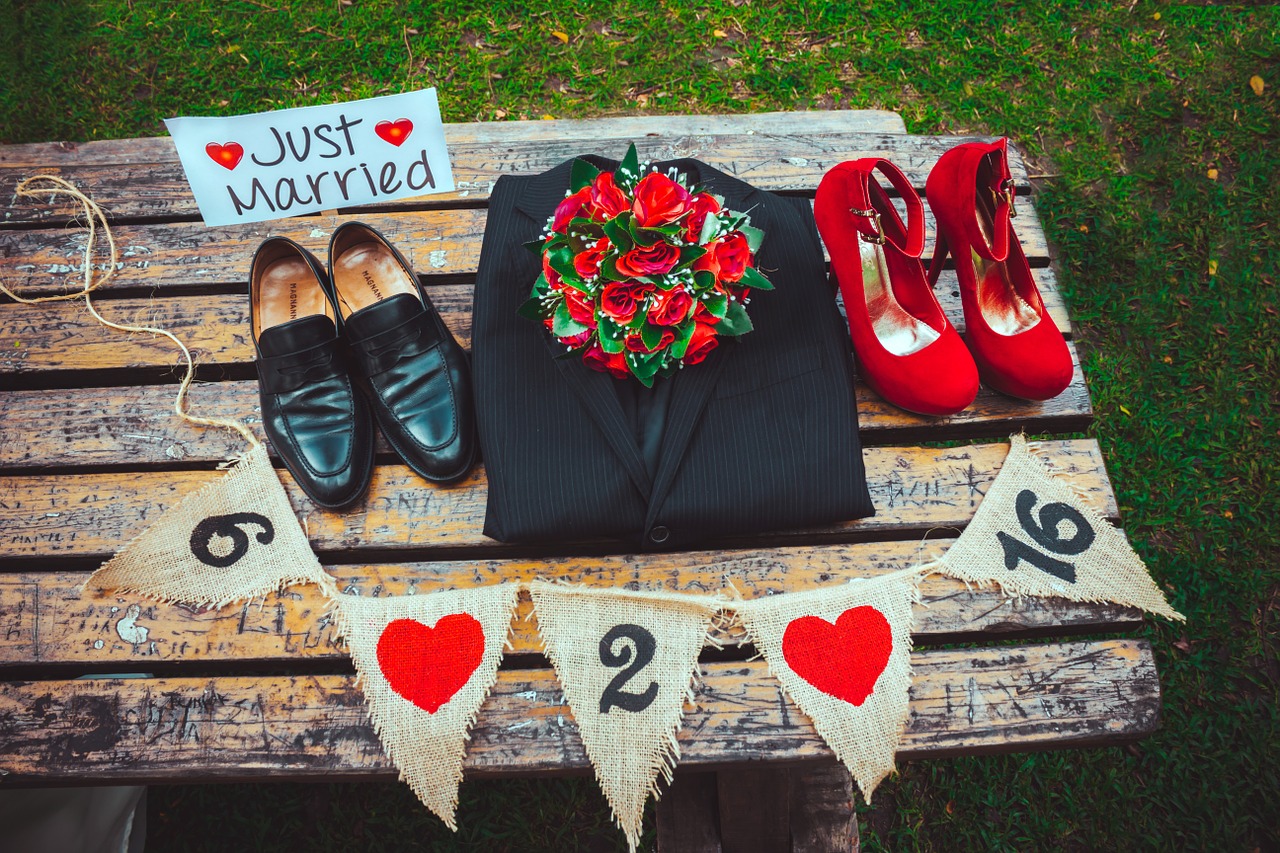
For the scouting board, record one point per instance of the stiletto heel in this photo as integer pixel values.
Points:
(1018, 350)
(940, 250)
(907, 351)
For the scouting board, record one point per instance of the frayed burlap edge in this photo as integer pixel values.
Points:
(340, 619)
(668, 756)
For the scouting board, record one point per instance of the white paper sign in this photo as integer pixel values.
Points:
(271, 165)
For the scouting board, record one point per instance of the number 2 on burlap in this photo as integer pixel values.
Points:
(1045, 532)
(642, 647)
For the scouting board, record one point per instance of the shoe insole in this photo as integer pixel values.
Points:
(366, 273)
(1006, 312)
(898, 330)
(287, 290)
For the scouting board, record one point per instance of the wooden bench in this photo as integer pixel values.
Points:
(90, 452)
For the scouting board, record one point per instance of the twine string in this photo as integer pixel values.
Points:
(94, 216)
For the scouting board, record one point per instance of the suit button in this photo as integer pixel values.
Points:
(659, 534)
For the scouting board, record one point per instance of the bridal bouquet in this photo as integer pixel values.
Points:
(643, 273)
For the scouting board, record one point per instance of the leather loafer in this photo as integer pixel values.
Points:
(316, 420)
(406, 359)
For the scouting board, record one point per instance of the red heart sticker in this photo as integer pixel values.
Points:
(842, 660)
(227, 154)
(394, 132)
(428, 665)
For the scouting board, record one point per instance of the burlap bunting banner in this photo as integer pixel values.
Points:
(843, 655)
(626, 661)
(426, 664)
(233, 539)
(1033, 535)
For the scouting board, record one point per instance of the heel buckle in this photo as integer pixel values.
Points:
(874, 216)
(1007, 192)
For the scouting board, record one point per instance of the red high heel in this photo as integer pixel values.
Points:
(907, 351)
(1018, 349)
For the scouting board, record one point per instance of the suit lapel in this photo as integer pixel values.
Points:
(694, 385)
(594, 390)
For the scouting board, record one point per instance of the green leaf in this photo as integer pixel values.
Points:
(735, 322)
(535, 246)
(754, 237)
(684, 332)
(689, 254)
(582, 174)
(710, 227)
(609, 270)
(628, 173)
(561, 260)
(644, 365)
(704, 280)
(651, 335)
(752, 278)
(618, 231)
(606, 331)
(532, 309)
(563, 325)
(717, 304)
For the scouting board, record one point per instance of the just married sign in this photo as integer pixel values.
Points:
(252, 168)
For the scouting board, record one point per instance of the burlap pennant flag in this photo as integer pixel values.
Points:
(626, 661)
(843, 655)
(426, 664)
(233, 539)
(1033, 535)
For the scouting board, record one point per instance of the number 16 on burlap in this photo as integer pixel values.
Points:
(1033, 535)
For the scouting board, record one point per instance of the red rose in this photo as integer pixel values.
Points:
(708, 261)
(577, 340)
(649, 260)
(635, 343)
(701, 204)
(587, 262)
(618, 302)
(733, 256)
(581, 308)
(607, 201)
(659, 200)
(597, 359)
(702, 315)
(701, 343)
(553, 277)
(572, 207)
(670, 307)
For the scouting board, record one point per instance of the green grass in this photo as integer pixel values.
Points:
(1170, 274)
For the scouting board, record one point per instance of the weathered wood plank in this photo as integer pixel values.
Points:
(790, 162)
(688, 816)
(46, 618)
(134, 426)
(92, 515)
(755, 809)
(160, 149)
(963, 701)
(171, 257)
(60, 336)
(823, 816)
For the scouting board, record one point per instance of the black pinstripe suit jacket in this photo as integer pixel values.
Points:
(762, 435)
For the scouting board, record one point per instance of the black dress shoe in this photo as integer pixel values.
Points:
(316, 420)
(416, 375)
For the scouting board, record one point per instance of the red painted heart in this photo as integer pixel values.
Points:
(394, 132)
(842, 660)
(427, 665)
(227, 154)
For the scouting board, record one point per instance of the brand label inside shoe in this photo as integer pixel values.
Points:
(269, 165)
